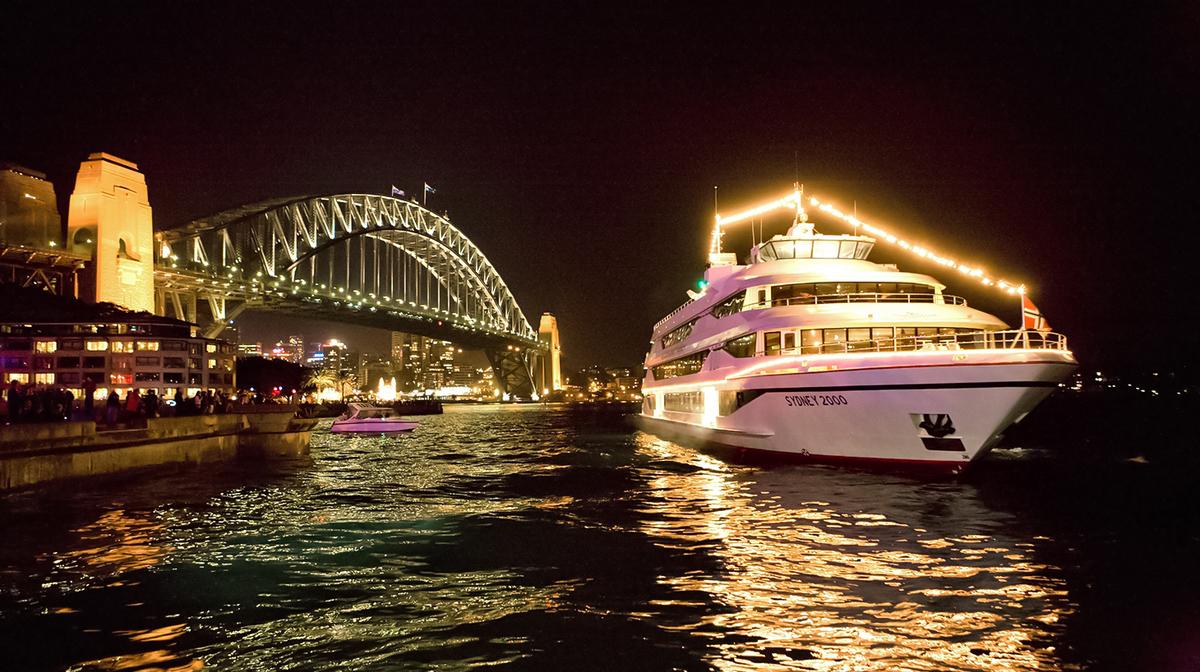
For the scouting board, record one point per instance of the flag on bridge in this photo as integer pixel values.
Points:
(397, 192)
(1031, 317)
(430, 189)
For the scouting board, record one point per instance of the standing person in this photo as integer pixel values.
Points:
(68, 401)
(112, 408)
(179, 402)
(151, 404)
(133, 402)
(15, 401)
(89, 400)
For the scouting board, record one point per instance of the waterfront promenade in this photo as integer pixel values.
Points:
(33, 453)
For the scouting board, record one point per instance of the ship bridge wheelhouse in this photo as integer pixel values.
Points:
(803, 242)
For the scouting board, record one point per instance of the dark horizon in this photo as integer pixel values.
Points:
(1049, 144)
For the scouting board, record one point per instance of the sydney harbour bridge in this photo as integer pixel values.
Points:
(362, 259)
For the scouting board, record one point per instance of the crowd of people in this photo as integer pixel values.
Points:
(32, 403)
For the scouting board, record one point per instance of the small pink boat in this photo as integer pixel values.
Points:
(367, 419)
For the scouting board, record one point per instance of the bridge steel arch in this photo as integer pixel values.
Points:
(358, 258)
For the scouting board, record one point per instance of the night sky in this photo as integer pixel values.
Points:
(578, 144)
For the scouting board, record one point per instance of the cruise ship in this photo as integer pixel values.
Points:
(811, 350)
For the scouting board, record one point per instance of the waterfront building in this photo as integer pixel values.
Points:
(55, 341)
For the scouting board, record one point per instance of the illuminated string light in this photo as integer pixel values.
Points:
(795, 200)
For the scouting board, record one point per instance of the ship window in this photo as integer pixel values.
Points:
(789, 341)
(887, 288)
(679, 367)
(848, 249)
(684, 402)
(803, 249)
(868, 287)
(835, 340)
(729, 306)
(742, 346)
(825, 249)
(882, 336)
(771, 342)
(926, 331)
(859, 339)
(678, 334)
(811, 341)
(825, 288)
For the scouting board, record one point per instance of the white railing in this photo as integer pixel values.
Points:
(865, 297)
(1014, 339)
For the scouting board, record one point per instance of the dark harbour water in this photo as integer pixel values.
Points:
(540, 539)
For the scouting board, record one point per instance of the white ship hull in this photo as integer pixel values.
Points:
(874, 414)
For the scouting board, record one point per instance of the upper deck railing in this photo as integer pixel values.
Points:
(863, 297)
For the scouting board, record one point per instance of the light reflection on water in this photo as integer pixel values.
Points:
(534, 538)
(869, 583)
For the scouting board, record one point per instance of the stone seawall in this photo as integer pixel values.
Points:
(36, 453)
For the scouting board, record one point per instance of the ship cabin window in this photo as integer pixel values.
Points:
(730, 306)
(819, 248)
(742, 346)
(684, 402)
(681, 366)
(870, 339)
(771, 342)
(678, 334)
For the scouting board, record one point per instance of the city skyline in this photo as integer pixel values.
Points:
(1020, 142)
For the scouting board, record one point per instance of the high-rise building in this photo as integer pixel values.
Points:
(28, 209)
(423, 363)
(250, 350)
(290, 349)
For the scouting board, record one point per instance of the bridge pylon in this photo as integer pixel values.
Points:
(110, 220)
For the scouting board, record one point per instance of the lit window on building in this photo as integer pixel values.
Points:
(22, 378)
(147, 345)
(47, 346)
(96, 345)
(43, 378)
(212, 363)
(120, 378)
(211, 347)
(122, 346)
